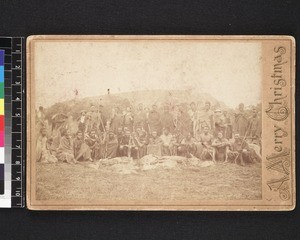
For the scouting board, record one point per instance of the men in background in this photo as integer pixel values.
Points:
(183, 121)
(128, 119)
(194, 118)
(220, 148)
(206, 117)
(166, 139)
(115, 120)
(82, 152)
(154, 120)
(219, 122)
(254, 125)
(187, 147)
(228, 125)
(93, 118)
(167, 120)
(241, 121)
(101, 119)
(82, 121)
(140, 117)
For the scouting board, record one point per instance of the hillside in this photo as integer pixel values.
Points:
(122, 100)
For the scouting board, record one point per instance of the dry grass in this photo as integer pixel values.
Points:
(63, 181)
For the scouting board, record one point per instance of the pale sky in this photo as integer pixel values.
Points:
(228, 70)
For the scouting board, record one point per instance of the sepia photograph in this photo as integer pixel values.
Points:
(150, 123)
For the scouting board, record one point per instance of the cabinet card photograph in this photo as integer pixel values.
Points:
(160, 123)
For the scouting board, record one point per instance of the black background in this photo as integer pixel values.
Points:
(209, 17)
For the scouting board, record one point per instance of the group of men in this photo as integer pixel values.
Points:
(190, 132)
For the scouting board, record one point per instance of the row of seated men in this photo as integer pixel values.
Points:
(92, 146)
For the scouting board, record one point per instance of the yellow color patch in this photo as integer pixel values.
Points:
(1, 106)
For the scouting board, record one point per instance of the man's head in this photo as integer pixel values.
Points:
(79, 135)
(207, 105)
(92, 108)
(128, 109)
(119, 130)
(147, 109)
(220, 135)
(206, 129)
(43, 131)
(188, 136)
(166, 131)
(41, 109)
(127, 133)
(93, 133)
(254, 112)
(110, 135)
(218, 112)
(236, 136)
(154, 134)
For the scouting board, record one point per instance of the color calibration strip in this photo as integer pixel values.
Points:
(12, 111)
(2, 161)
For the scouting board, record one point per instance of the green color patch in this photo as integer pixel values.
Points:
(1, 89)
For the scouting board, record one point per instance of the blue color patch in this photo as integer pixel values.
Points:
(2, 52)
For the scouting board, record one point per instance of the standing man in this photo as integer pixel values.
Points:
(154, 120)
(167, 120)
(205, 118)
(241, 121)
(194, 118)
(128, 119)
(254, 126)
(140, 117)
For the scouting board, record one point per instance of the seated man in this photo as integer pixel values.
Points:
(42, 149)
(206, 140)
(110, 145)
(166, 139)
(94, 142)
(65, 152)
(119, 136)
(127, 146)
(82, 151)
(187, 147)
(176, 142)
(240, 152)
(141, 141)
(220, 148)
(154, 146)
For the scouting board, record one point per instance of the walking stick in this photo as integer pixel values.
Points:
(243, 141)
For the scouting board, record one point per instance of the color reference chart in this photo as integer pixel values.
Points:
(11, 111)
(2, 182)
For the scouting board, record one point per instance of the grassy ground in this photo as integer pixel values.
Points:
(61, 181)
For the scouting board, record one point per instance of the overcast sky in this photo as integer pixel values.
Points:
(229, 71)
